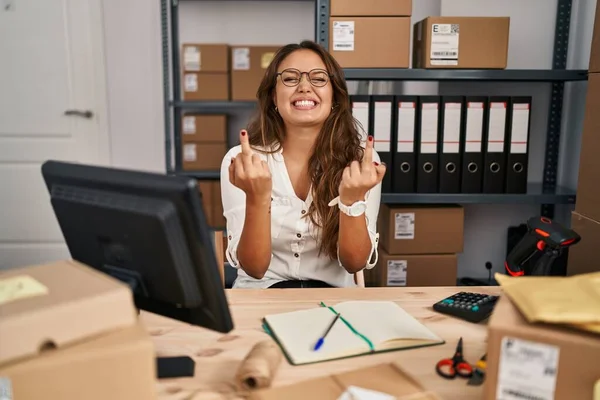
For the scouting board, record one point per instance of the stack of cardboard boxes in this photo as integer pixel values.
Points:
(585, 220)
(377, 34)
(418, 246)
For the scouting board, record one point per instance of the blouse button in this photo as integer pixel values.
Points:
(229, 237)
(296, 255)
(303, 211)
(298, 235)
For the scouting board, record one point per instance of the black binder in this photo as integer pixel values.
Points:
(472, 144)
(519, 119)
(451, 124)
(428, 144)
(404, 176)
(495, 145)
(383, 113)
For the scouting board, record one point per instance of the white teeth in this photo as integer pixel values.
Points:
(304, 103)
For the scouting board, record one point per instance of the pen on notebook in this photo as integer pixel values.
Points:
(322, 339)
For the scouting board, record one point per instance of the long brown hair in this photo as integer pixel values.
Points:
(337, 145)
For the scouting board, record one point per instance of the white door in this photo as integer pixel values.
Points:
(51, 63)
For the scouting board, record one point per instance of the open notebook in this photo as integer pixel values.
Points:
(364, 327)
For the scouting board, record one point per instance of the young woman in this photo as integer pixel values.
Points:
(300, 193)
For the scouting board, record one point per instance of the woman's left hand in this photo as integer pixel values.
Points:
(360, 177)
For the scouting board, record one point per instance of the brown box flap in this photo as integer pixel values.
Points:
(68, 302)
(373, 8)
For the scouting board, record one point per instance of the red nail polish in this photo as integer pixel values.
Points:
(243, 133)
(370, 138)
(376, 163)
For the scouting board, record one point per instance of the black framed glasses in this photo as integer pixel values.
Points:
(291, 77)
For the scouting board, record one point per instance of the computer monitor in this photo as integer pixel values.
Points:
(147, 230)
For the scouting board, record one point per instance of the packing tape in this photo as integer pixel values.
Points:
(259, 367)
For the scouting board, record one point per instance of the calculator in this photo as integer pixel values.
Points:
(473, 307)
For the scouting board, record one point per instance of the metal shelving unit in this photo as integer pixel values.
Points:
(545, 193)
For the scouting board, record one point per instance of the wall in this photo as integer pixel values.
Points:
(531, 46)
(134, 83)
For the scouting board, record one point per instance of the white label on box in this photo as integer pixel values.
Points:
(189, 125)
(5, 389)
(360, 111)
(520, 127)
(429, 128)
(404, 226)
(189, 152)
(526, 370)
(496, 128)
(241, 59)
(406, 127)
(444, 44)
(396, 273)
(383, 126)
(191, 83)
(474, 127)
(452, 113)
(343, 35)
(191, 59)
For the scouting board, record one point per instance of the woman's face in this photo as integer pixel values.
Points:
(303, 103)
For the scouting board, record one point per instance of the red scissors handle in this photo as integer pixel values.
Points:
(449, 368)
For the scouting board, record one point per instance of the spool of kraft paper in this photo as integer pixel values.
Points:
(259, 367)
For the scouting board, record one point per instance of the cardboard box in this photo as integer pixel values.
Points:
(213, 206)
(588, 190)
(203, 156)
(461, 42)
(72, 332)
(373, 8)
(413, 270)
(203, 86)
(248, 65)
(583, 255)
(421, 229)
(594, 65)
(197, 57)
(538, 360)
(370, 42)
(204, 128)
(390, 379)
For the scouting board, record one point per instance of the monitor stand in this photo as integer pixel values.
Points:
(174, 367)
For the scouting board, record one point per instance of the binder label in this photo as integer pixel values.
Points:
(519, 129)
(527, 370)
(452, 128)
(497, 127)
(343, 35)
(383, 126)
(360, 111)
(474, 127)
(189, 125)
(404, 226)
(444, 44)
(396, 273)
(406, 127)
(429, 128)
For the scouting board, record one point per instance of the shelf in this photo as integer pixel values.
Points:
(514, 75)
(202, 175)
(220, 107)
(535, 195)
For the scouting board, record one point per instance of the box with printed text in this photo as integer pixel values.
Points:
(461, 42)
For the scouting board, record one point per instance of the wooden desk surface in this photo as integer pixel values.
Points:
(218, 356)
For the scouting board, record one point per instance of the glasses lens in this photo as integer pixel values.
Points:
(290, 77)
(319, 77)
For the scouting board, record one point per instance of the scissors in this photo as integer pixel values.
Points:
(479, 372)
(449, 368)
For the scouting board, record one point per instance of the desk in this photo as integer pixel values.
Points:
(218, 356)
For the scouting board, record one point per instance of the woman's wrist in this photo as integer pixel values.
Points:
(350, 199)
(260, 201)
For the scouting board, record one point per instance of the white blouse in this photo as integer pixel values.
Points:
(294, 244)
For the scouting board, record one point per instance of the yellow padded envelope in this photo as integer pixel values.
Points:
(573, 300)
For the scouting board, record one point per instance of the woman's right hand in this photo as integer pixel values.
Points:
(249, 173)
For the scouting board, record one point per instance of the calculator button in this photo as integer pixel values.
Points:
(475, 308)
